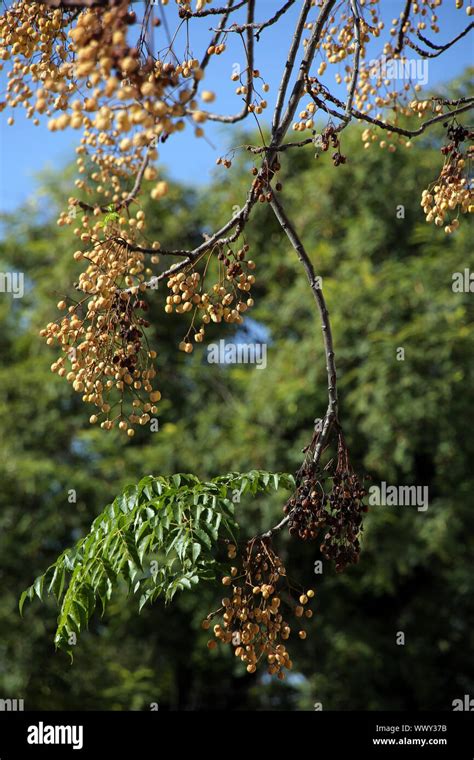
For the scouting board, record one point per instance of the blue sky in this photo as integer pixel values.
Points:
(25, 149)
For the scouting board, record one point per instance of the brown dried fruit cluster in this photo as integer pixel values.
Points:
(307, 509)
(344, 522)
(252, 616)
(329, 137)
(261, 184)
(338, 512)
(451, 192)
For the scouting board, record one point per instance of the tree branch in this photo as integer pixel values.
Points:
(306, 62)
(290, 63)
(355, 71)
(467, 104)
(439, 48)
(331, 417)
(259, 27)
(211, 11)
(403, 27)
(313, 280)
(249, 51)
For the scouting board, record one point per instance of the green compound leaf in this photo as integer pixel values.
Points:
(160, 536)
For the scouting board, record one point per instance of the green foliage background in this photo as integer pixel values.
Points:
(388, 284)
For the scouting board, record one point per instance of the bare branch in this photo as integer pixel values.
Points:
(468, 103)
(297, 244)
(330, 419)
(249, 50)
(355, 70)
(403, 27)
(306, 62)
(439, 48)
(278, 148)
(290, 63)
(259, 27)
(210, 11)
(138, 180)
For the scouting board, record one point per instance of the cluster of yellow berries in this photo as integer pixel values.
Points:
(376, 93)
(216, 49)
(306, 118)
(420, 107)
(77, 68)
(102, 337)
(424, 11)
(69, 66)
(339, 38)
(449, 194)
(376, 89)
(389, 140)
(223, 303)
(35, 43)
(252, 619)
(259, 103)
(451, 191)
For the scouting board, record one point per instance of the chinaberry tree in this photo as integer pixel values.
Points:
(94, 67)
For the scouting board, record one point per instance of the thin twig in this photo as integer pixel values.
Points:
(211, 11)
(439, 48)
(468, 103)
(304, 68)
(355, 70)
(290, 61)
(249, 52)
(259, 27)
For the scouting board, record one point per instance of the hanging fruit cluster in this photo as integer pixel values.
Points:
(254, 617)
(338, 512)
(103, 341)
(225, 302)
(77, 67)
(452, 193)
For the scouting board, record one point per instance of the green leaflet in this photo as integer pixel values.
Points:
(159, 537)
